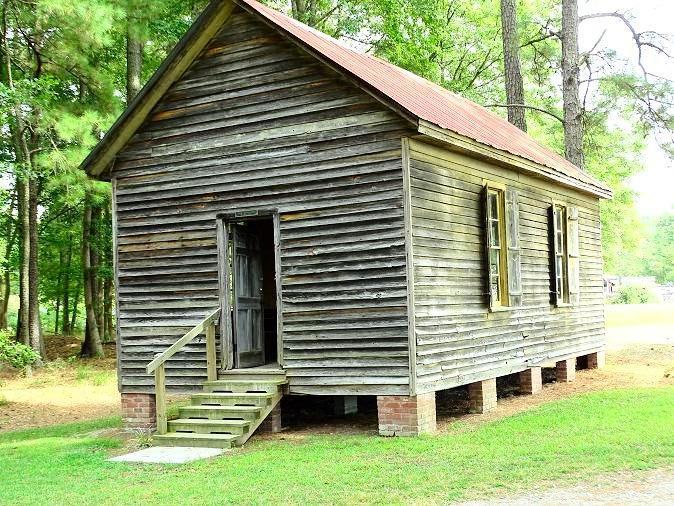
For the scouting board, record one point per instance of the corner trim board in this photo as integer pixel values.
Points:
(409, 253)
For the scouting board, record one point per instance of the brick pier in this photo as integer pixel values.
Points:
(403, 415)
(139, 411)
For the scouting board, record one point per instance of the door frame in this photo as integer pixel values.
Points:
(224, 268)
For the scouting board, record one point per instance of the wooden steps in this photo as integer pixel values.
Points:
(228, 411)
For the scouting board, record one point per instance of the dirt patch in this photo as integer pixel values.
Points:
(67, 389)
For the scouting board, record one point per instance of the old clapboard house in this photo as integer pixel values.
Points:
(293, 217)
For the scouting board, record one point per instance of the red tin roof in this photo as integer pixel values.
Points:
(426, 100)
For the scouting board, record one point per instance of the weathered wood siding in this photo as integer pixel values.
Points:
(458, 340)
(257, 124)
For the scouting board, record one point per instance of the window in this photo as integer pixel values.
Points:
(561, 258)
(496, 245)
(564, 254)
(503, 276)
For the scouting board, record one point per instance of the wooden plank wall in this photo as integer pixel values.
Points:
(458, 341)
(255, 123)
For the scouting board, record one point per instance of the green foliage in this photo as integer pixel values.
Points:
(660, 255)
(634, 295)
(14, 353)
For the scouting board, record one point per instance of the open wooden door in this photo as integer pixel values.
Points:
(248, 292)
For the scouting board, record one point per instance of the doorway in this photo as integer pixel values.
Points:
(250, 298)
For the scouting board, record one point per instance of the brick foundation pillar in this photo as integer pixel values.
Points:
(482, 396)
(596, 360)
(346, 405)
(565, 370)
(272, 424)
(403, 415)
(139, 411)
(531, 381)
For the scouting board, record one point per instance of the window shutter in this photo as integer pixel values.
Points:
(552, 238)
(512, 206)
(487, 270)
(574, 255)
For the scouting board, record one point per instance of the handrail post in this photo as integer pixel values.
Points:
(211, 367)
(160, 399)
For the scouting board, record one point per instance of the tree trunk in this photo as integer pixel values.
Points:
(134, 53)
(59, 292)
(76, 303)
(36, 340)
(96, 285)
(23, 323)
(91, 347)
(299, 9)
(5, 283)
(573, 121)
(107, 311)
(66, 289)
(514, 85)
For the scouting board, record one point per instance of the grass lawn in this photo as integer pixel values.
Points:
(561, 441)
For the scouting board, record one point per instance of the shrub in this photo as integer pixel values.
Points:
(15, 354)
(634, 295)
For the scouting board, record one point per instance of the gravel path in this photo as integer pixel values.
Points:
(647, 487)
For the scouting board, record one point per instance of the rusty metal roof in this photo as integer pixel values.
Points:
(427, 101)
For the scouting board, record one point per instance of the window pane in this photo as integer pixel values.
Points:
(495, 235)
(493, 205)
(495, 290)
(494, 262)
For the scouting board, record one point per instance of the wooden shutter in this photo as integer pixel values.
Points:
(512, 209)
(552, 239)
(485, 238)
(573, 253)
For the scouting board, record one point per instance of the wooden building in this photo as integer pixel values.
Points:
(354, 229)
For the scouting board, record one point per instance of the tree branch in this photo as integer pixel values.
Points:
(558, 118)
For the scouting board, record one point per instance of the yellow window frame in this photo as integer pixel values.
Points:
(497, 242)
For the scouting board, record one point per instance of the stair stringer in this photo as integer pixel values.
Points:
(241, 440)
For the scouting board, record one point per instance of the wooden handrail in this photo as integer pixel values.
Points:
(158, 364)
(180, 343)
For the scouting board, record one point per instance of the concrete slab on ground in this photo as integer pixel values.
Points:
(168, 455)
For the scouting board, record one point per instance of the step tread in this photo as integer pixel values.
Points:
(225, 395)
(244, 409)
(193, 435)
(201, 421)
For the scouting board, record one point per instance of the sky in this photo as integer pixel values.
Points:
(655, 185)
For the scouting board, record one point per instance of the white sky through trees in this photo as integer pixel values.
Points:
(656, 184)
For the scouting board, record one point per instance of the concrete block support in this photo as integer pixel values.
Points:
(565, 370)
(139, 411)
(346, 405)
(272, 423)
(596, 360)
(531, 381)
(482, 396)
(402, 415)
